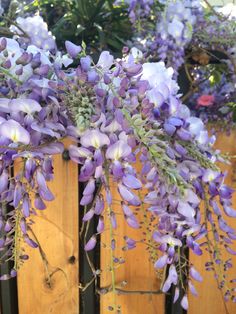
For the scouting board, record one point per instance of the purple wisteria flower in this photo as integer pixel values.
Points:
(72, 49)
(95, 139)
(119, 113)
(37, 31)
(105, 60)
(28, 106)
(12, 130)
(118, 150)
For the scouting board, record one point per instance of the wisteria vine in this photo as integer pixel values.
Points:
(118, 112)
(199, 38)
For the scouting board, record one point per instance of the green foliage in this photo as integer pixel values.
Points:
(232, 106)
(99, 23)
(215, 78)
(8, 19)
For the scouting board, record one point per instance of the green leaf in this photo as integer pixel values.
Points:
(215, 78)
(98, 22)
(114, 43)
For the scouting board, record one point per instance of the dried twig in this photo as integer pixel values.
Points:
(109, 289)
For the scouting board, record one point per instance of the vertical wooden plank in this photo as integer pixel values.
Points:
(49, 284)
(137, 271)
(210, 299)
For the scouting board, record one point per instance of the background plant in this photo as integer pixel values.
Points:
(99, 23)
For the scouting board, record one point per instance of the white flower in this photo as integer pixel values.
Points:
(183, 111)
(12, 130)
(195, 125)
(62, 59)
(136, 53)
(105, 60)
(228, 10)
(210, 175)
(14, 52)
(43, 83)
(175, 28)
(157, 75)
(28, 106)
(44, 56)
(202, 138)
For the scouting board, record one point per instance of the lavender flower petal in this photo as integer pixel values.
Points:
(90, 245)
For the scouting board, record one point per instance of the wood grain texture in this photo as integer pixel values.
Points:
(137, 271)
(140, 274)
(57, 230)
(209, 300)
(51, 287)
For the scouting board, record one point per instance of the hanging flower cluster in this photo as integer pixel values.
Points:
(33, 30)
(32, 122)
(172, 27)
(201, 40)
(175, 30)
(213, 51)
(138, 9)
(163, 29)
(118, 112)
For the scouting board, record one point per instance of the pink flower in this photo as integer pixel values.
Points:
(205, 100)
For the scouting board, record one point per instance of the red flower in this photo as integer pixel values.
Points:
(205, 100)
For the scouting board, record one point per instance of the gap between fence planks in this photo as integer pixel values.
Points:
(57, 231)
(141, 276)
(53, 288)
(137, 271)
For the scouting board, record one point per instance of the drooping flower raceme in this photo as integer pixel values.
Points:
(140, 117)
(175, 30)
(31, 124)
(118, 112)
(35, 32)
(197, 41)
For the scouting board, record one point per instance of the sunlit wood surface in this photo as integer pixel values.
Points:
(49, 284)
(209, 300)
(140, 274)
(137, 271)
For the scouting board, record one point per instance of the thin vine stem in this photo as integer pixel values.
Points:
(7, 73)
(112, 268)
(206, 203)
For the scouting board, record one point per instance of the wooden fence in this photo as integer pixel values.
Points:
(49, 282)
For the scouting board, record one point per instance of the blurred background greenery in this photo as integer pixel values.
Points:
(99, 23)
